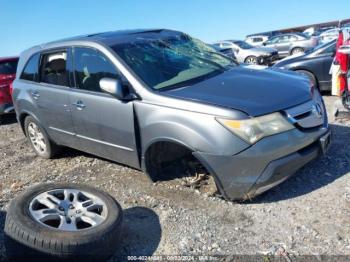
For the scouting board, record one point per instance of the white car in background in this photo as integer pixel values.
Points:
(329, 35)
(246, 53)
(256, 40)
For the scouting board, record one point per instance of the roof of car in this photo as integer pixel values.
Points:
(114, 37)
(10, 58)
(294, 33)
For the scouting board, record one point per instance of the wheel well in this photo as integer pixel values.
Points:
(295, 47)
(311, 73)
(22, 117)
(169, 160)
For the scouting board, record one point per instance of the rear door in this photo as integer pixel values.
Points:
(103, 124)
(50, 95)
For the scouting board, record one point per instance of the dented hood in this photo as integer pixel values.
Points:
(251, 89)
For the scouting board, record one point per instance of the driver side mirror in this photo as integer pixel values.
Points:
(112, 86)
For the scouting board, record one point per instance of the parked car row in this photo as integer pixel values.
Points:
(301, 53)
(246, 53)
(264, 50)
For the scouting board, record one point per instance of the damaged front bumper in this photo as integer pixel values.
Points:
(266, 163)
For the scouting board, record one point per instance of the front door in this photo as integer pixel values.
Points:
(283, 45)
(103, 124)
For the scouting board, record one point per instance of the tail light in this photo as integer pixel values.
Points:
(5, 78)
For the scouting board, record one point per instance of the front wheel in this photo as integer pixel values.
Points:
(297, 50)
(252, 60)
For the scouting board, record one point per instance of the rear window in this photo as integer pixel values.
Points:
(8, 67)
(30, 71)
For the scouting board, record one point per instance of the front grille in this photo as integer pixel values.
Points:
(308, 115)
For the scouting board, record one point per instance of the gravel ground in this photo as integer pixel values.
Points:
(306, 215)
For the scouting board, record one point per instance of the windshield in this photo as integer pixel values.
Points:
(174, 61)
(8, 67)
(323, 45)
(243, 45)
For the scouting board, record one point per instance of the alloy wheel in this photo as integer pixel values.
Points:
(68, 209)
(252, 60)
(37, 138)
(297, 51)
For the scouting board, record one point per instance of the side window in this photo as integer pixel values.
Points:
(226, 45)
(30, 71)
(53, 68)
(283, 39)
(256, 40)
(293, 38)
(274, 40)
(90, 67)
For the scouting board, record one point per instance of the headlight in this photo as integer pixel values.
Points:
(254, 129)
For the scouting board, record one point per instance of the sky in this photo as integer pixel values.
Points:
(27, 23)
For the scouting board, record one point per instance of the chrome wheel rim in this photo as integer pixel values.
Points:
(252, 60)
(297, 51)
(68, 209)
(37, 138)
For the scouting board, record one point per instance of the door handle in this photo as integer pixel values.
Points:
(35, 94)
(79, 105)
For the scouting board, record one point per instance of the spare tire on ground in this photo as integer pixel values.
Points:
(62, 221)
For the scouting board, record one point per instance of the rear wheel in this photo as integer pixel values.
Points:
(39, 139)
(252, 60)
(297, 50)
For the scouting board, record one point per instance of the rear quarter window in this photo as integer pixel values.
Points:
(30, 71)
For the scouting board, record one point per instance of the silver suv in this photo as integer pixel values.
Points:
(149, 98)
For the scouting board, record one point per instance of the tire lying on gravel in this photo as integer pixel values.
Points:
(64, 221)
